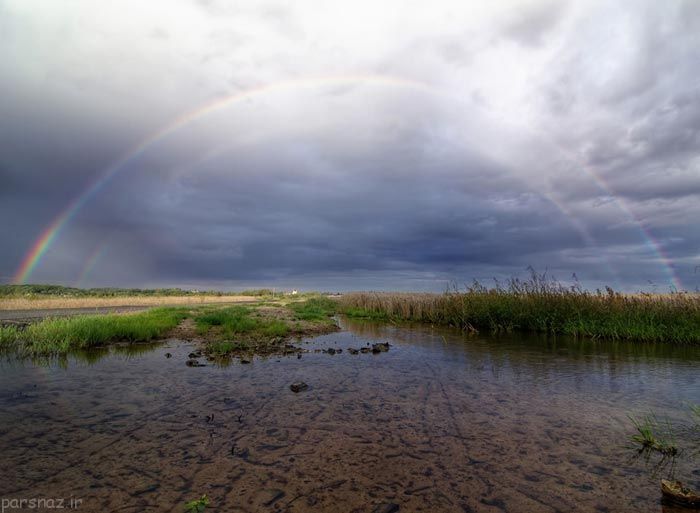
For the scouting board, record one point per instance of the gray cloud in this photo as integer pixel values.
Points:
(562, 136)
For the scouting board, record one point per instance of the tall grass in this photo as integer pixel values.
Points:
(61, 335)
(540, 304)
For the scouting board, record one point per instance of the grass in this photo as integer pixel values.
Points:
(65, 334)
(541, 305)
(227, 330)
(237, 320)
(364, 313)
(315, 309)
(649, 438)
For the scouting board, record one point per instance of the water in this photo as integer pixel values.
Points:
(441, 422)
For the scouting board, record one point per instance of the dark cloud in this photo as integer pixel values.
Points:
(474, 159)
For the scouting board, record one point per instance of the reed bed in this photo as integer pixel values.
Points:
(541, 305)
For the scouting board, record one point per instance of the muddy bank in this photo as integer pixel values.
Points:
(216, 345)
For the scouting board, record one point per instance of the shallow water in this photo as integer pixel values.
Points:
(441, 422)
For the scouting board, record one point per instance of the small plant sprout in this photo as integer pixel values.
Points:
(197, 505)
(648, 436)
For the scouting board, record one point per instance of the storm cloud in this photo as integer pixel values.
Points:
(356, 145)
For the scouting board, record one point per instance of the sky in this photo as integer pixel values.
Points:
(327, 145)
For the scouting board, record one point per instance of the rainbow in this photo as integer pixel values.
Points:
(48, 236)
(651, 242)
(42, 244)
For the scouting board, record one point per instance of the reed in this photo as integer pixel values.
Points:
(540, 304)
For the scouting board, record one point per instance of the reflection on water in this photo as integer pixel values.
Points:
(442, 422)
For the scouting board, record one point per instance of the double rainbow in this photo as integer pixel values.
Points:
(45, 240)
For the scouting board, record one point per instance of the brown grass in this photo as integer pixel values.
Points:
(91, 302)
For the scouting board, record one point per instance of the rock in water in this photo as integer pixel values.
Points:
(298, 386)
(381, 347)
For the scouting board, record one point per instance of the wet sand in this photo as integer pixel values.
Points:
(439, 423)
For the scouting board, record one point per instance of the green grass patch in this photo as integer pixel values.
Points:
(233, 320)
(9, 335)
(274, 328)
(55, 336)
(314, 309)
(239, 320)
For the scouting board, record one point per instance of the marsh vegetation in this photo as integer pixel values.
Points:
(543, 305)
(61, 335)
(261, 328)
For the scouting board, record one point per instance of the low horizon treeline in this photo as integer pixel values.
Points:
(32, 290)
(540, 304)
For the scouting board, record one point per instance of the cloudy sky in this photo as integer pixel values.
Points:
(349, 145)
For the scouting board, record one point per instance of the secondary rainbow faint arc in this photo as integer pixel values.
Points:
(602, 184)
(90, 262)
(48, 236)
